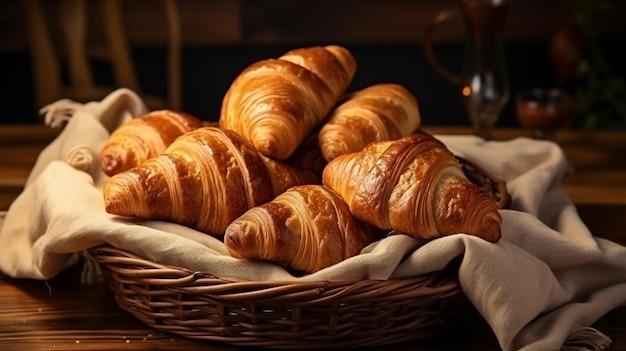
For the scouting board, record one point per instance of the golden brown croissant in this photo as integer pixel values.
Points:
(144, 137)
(308, 156)
(204, 180)
(307, 228)
(376, 113)
(413, 185)
(276, 103)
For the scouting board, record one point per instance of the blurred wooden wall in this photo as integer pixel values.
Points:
(261, 22)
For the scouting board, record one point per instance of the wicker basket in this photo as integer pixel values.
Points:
(279, 315)
(341, 314)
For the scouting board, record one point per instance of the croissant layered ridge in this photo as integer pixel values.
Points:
(144, 137)
(413, 185)
(308, 155)
(385, 111)
(204, 179)
(275, 103)
(306, 228)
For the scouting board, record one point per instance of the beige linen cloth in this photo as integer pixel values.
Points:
(539, 288)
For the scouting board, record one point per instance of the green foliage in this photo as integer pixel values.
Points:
(599, 94)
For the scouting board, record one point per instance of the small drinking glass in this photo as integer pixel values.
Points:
(544, 111)
(483, 81)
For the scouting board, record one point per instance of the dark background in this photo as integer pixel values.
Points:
(209, 67)
(207, 73)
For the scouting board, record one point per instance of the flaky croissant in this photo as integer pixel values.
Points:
(385, 111)
(308, 156)
(307, 228)
(205, 179)
(144, 137)
(276, 103)
(413, 185)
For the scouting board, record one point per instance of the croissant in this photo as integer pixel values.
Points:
(413, 185)
(308, 156)
(377, 113)
(205, 179)
(307, 228)
(144, 137)
(276, 103)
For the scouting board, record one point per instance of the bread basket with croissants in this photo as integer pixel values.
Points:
(301, 173)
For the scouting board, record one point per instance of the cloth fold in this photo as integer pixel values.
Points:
(544, 283)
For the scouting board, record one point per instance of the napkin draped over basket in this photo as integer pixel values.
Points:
(539, 288)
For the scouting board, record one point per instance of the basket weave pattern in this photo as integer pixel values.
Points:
(280, 315)
(341, 314)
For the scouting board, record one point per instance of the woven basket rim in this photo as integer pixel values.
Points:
(146, 270)
(283, 314)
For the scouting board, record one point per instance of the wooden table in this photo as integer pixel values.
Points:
(62, 314)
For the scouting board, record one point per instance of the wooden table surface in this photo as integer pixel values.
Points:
(62, 314)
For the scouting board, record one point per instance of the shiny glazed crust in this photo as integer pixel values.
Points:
(276, 103)
(413, 185)
(205, 179)
(144, 137)
(306, 228)
(376, 113)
